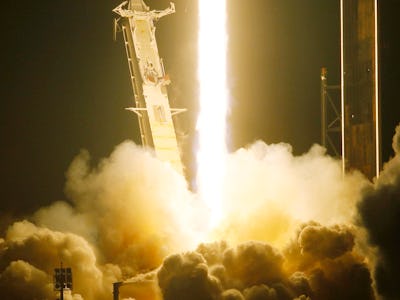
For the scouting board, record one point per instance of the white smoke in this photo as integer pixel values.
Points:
(126, 214)
(269, 191)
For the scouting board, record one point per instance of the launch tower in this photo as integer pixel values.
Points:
(148, 78)
(360, 87)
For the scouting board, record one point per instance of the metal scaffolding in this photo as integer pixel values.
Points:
(331, 122)
(149, 80)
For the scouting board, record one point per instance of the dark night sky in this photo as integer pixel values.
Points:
(65, 82)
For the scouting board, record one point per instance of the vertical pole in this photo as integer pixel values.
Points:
(342, 74)
(116, 286)
(323, 106)
(377, 102)
(62, 282)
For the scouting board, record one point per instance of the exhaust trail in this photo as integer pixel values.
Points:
(211, 123)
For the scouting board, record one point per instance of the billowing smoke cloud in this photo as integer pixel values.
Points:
(123, 218)
(396, 141)
(134, 205)
(252, 263)
(232, 295)
(304, 269)
(30, 253)
(20, 274)
(322, 242)
(186, 277)
(380, 214)
(286, 231)
(269, 192)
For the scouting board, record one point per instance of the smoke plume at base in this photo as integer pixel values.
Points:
(256, 270)
(380, 214)
(288, 230)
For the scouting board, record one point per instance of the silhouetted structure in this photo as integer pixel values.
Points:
(62, 280)
(360, 87)
(331, 120)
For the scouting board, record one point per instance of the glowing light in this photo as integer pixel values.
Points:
(377, 106)
(342, 82)
(211, 122)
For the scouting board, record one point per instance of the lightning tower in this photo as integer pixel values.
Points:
(360, 87)
(149, 80)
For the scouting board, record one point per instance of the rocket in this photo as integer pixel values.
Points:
(149, 80)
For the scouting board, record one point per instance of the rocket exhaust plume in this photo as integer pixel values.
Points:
(211, 123)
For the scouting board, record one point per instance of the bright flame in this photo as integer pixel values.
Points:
(211, 123)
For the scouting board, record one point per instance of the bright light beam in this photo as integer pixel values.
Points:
(211, 122)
